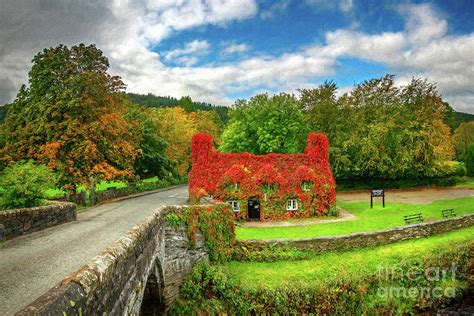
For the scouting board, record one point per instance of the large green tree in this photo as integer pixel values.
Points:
(382, 131)
(152, 160)
(71, 117)
(266, 125)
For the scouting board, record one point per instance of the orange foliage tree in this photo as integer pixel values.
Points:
(71, 118)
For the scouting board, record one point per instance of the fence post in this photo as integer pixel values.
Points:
(92, 194)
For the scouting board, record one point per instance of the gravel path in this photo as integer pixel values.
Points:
(344, 215)
(32, 264)
(417, 196)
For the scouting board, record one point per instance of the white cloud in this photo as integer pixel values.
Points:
(276, 8)
(233, 48)
(189, 55)
(423, 24)
(346, 5)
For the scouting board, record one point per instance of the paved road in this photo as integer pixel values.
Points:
(32, 264)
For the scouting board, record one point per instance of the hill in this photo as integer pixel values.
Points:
(152, 100)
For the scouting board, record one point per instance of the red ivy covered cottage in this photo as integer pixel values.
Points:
(266, 187)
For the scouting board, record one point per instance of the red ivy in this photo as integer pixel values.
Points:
(273, 178)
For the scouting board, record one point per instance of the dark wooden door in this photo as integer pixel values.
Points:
(254, 209)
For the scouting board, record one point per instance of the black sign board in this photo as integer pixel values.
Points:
(377, 193)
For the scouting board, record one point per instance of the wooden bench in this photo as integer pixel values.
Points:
(413, 218)
(448, 213)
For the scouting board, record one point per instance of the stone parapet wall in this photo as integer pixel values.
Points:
(361, 240)
(180, 259)
(114, 282)
(14, 223)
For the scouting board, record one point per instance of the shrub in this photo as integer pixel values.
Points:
(460, 168)
(216, 224)
(24, 185)
(208, 288)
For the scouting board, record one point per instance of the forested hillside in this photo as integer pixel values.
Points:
(185, 102)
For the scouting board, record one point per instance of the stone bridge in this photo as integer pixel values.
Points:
(143, 269)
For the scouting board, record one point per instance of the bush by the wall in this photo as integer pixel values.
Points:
(215, 222)
(24, 185)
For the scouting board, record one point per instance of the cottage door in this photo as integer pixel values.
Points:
(254, 209)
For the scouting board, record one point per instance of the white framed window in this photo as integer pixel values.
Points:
(235, 205)
(292, 205)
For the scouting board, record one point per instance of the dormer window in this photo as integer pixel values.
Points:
(235, 205)
(292, 205)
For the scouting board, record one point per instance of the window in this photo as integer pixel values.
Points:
(235, 205)
(305, 186)
(292, 205)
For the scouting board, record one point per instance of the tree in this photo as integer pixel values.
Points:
(321, 108)
(152, 160)
(208, 122)
(470, 160)
(381, 131)
(71, 117)
(266, 125)
(187, 104)
(462, 138)
(430, 138)
(177, 128)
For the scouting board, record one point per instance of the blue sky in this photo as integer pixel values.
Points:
(218, 50)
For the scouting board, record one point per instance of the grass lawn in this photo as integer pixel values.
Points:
(366, 219)
(103, 185)
(323, 268)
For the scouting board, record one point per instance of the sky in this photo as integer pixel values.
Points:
(218, 51)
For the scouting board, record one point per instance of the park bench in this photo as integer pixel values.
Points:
(448, 213)
(413, 218)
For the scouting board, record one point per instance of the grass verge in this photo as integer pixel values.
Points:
(402, 278)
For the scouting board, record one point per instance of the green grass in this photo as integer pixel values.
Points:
(103, 185)
(367, 219)
(323, 268)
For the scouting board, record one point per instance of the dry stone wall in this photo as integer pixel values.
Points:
(14, 223)
(361, 240)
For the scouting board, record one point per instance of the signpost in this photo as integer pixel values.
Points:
(377, 193)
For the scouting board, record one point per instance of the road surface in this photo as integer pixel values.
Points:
(32, 264)
(412, 196)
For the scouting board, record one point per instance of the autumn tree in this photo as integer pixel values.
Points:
(266, 124)
(176, 127)
(71, 117)
(208, 122)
